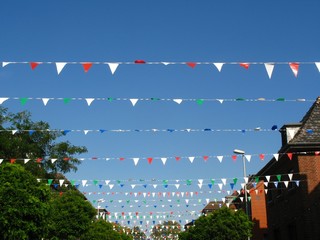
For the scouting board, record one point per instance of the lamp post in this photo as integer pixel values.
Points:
(241, 152)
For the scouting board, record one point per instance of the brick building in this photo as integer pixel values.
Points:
(285, 193)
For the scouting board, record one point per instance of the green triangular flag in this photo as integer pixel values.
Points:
(280, 99)
(23, 101)
(235, 181)
(110, 99)
(189, 182)
(212, 181)
(50, 181)
(94, 201)
(165, 181)
(279, 177)
(73, 182)
(257, 179)
(66, 100)
(95, 182)
(200, 101)
(240, 99)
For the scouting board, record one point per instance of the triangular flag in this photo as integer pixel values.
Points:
(248, 157)
(220, 186)
(318, 65)
(86, 131)
(164, 160)
(268, 178)
(294, 67)
(218, 66)
(224, 181)
(14, 131)
(53, 160)
(86, 66)
(191, 64)
(89, 101)
(150, 160)
(165, 63)
(261, 156)
(133, 186)
(245, 65)
(177, 100)
(220, 158)
(107, 182)
(5, 64)
(290, 176)
(286, 183)
(177, 186)
(269, 67)
(2, 100)
(134, 101)
(135, 160)
(220, 100)
(297, 183)
(289, 155)
(245, 179)
(113, 67)
(111, 186)
(276, 156)
(26, 160)
(191, 159)
(60, 66)
(84, 182)
(45, 101)
(61, 182)
(33, 65)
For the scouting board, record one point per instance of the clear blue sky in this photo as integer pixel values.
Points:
(162, 31)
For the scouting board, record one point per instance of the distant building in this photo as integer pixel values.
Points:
(285, 193)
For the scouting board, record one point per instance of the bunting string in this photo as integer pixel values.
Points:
(150, 160)
(134, 101)
(269, 66)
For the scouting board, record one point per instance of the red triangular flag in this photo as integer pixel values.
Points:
(33, 65)
(289, 155)
(12, 160)
(234, 157)
(121, 159)
(245, 65)
(150, 160)
(316, 153)
(261, 156)
(178, 158)
(61, 193)
(86, 66)
(39, 160)
(139, 61)
(295, 68)
(205, 158)
(192, 64)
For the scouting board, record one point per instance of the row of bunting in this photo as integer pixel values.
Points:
(150, 160)
(294, 66)
(133, 101)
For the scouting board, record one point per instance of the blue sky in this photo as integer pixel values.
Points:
(162, 31)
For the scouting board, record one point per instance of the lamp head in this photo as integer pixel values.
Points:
(238, 151)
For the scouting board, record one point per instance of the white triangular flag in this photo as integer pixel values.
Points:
(5, 64)
(86, 131)
(177, 186)
(107, 182)
(220, 158)
(113, 67)
(111, 186)
(53, 160)
(218, 66)
(84, 182)
(14, 131)
(173, 193)
(268, 178)
(241, 199)
(265, 184)
(200, 185)
(276, 156)
(200, 181)
(153, 194)
(248, 157)
(165, 63)
(182, 194)
(187, 201)
(220, 100)
(60, 66)
(266, 191)
(269, 67)
(45, 101)
(290, 176)
(155, 185)
(26, 160)
(135, 160)
(164, 160)
(286, 183)
(89, 101)
(133, 186)
(61, 182)
(224, 181)
(191, 194)
(191, 159)
(207, 200)
(246, 179)
(220, 186)
(134, 101)
(318, 65)
(3, 99)
(144, 194)
(177, 100)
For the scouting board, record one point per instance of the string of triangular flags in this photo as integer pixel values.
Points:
(134, 101)
(269, 66)
(150, 160)
(188, 130)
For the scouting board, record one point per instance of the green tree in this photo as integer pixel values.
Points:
(167, 229)
(24, 207)
(222, 224)
(71, 215)
(32, 140)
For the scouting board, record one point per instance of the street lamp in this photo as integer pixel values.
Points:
(241, 152)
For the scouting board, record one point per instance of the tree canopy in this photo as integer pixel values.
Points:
(167, 229)
(24, 207)
(222, 224)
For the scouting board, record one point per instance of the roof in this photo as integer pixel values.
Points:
(309, 132)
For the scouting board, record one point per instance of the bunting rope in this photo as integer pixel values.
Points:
(150, 160)
(133, 101)
(269, 66)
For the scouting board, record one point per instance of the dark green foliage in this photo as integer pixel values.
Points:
(170, 228)
(24, 207)
(71, 215)
(222, 224)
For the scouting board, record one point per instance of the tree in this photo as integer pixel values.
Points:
(102, 230)
(168, 229)
(24, 139)
(222, 224)
(24, 204)
(71, 215)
